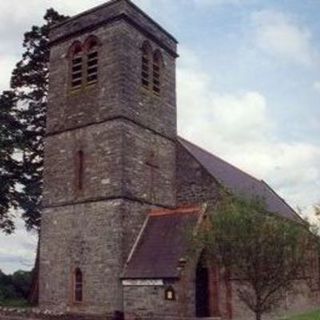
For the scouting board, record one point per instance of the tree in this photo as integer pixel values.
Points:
(10, 130)
(24, 107)
(22, 131)
(30, 83)
(21, 281)
(15, 286)
(263, 252)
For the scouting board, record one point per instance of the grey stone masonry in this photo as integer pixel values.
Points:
(194, 184)
(116, 165)
(118, 92)
(112, 11)
(88, 236)
(127, 138)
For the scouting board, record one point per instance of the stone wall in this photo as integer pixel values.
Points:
(148, 301)
(116, 164)
(194, 184)
(88, 236)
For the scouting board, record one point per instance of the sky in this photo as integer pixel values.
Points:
(248, 86)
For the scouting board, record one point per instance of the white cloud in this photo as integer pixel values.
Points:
(17, 250)
(238, 128)
(279, 35)
(316, 86)
(222, 2)
(6, 65)
(239, 116)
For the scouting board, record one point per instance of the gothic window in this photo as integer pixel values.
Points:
(76, 59)
(78, 286)
(91, 46)
(157, 68)
(145, 64)
(79, 169)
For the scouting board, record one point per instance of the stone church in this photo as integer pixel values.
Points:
(120, 187)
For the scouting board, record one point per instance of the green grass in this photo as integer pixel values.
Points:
(18, 303)
(315, 315)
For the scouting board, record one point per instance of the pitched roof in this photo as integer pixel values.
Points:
(239, 182)
(162, 242)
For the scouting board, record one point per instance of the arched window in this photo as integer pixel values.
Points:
(91, 46)
(157, 69)
(76, 59)
(145, 64)
(78, 285)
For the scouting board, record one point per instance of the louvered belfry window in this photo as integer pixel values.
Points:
(78, 286)
(76, 66)
(92, 60)
(157, 61)
(145, 65)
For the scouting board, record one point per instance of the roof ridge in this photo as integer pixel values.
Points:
(220, 159)
(283, 200)
(179, 210)
(137, 240)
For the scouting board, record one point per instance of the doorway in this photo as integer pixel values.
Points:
(202, 290)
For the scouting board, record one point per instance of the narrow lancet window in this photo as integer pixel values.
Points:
(80, 169)
(78, 286)
(145, 65)
(76, 65)
(92, 60)
(157, 66)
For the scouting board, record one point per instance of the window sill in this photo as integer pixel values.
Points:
(150, 92)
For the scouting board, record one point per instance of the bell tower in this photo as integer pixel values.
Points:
(109, 151)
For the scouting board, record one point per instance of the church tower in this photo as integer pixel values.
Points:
(109, 151)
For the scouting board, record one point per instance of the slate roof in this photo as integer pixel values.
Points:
(163, 241)
(239, 182)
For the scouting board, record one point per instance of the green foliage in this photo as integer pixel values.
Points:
(10, 131)
(30, 83)
(14, 287)
(263, 252)
(22, 128)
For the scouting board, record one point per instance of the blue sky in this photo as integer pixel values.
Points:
(248, 87)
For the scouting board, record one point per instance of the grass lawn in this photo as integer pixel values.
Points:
(315, 315)
(19, 303)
